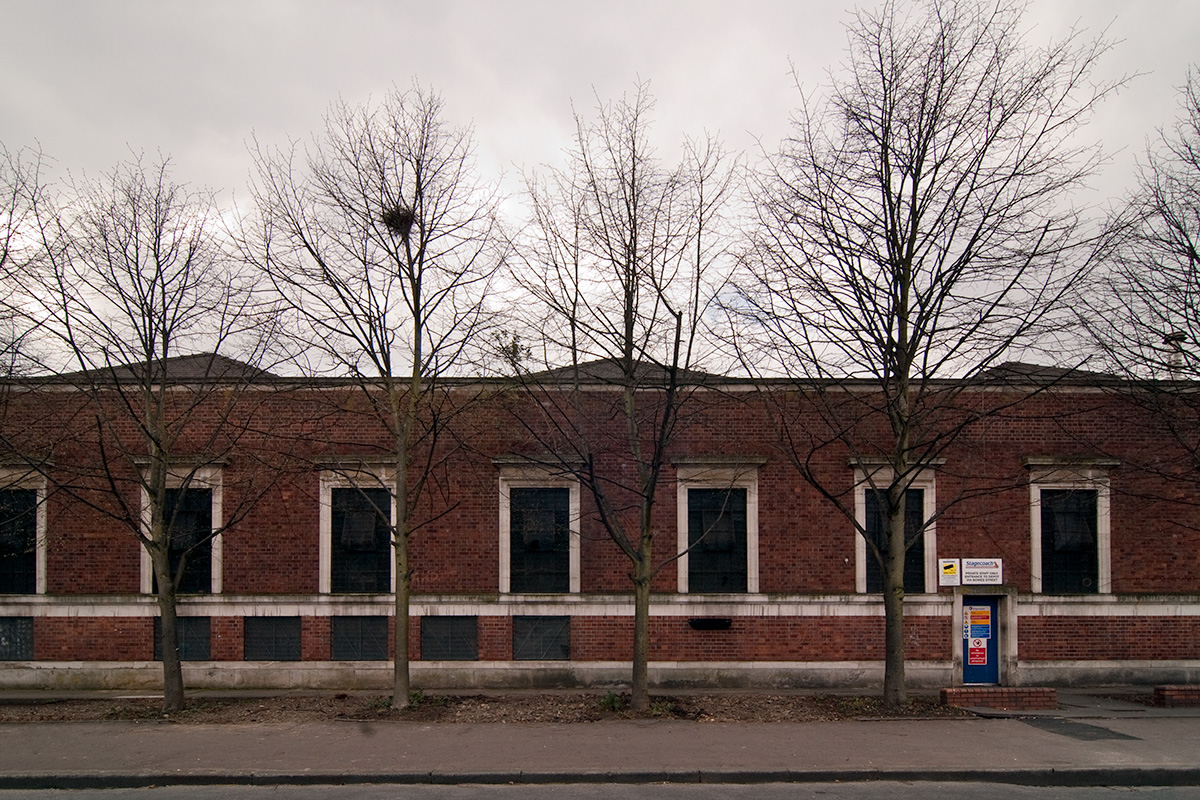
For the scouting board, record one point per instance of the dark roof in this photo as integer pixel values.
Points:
(198, 368)
(1018, 372)
(611, 372)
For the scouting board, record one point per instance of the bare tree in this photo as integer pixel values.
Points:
(620, 260)
(381, 241)
(21, 190)
(1144, 314)
(916, 227)
(132, 276)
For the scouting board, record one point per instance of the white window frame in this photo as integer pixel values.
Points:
(201, 478)
(533, 477)
(18, 478)
(1092, 476)
(717, 474)
(879, 478)
(362, 477)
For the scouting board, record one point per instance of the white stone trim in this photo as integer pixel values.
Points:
(527, 476)
(201, 478)
(361, 476)
(616, 605)
(23, 478)
(717, 476)
(1071, 477)
(880, 478)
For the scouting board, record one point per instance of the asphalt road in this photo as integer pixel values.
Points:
(874, 790)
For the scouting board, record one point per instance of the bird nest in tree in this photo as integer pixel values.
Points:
(399, 220)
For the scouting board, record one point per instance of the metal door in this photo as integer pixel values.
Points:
(981, 640)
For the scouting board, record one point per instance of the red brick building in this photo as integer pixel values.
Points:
(1077, 508)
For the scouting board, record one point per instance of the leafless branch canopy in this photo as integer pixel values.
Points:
(1145, 314)
(916, 224)
(379, 238)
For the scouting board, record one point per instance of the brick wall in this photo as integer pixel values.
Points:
(1107, 638)
(806, 545)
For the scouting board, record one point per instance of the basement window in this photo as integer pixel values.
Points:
(16, 638)
(541, 638)
(449, 638)
(271, 639)
(194, 638)
(359, 638)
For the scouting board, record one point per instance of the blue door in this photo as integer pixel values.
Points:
(981, 640)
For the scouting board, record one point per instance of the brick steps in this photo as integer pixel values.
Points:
(1177, 695)
(1011, 698)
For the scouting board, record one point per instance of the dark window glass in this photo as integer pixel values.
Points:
(449, 639)
(1070, 560)
(540, 525)
(271, 639)
(717, 538)
(541, 638)
(359, 639)
(16, 638)
(361, 558)
(914, 523)
(18, 541)
(188, 513)
(194, 637)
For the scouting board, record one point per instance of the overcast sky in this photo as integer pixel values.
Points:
(90, 81)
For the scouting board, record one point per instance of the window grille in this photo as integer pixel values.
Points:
(541, 638)
(449, 638)
(16, 638)
(271, 639)
(194, 638)
(359, 638)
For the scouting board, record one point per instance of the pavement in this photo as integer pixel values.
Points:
(1091, 740)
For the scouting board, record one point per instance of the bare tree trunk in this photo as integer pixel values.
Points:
(169, 621)
(401, 681)
(894, 693)
(401, 684)
(640, 685)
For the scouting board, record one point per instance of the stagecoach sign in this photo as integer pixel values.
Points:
(982, 571)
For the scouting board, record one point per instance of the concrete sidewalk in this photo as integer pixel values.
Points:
(1091, 740)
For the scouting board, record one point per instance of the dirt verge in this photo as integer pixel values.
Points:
(557, 707)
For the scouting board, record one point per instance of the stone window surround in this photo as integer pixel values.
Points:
(718, 472)
(355, 473)
(878, 476)
(12, 477)
(1048, 472)
(201, 478)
